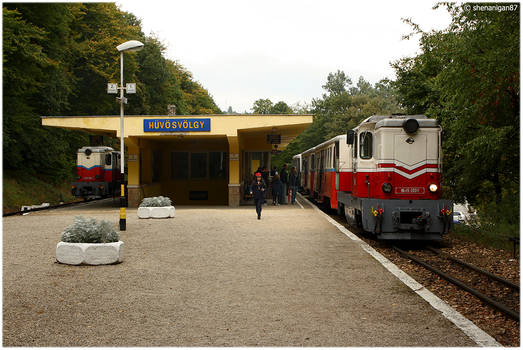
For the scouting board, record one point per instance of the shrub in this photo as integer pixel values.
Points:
(90, 230)
(156, 202)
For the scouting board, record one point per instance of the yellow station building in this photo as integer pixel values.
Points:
(196, 159)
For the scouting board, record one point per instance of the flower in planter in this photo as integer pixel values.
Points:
(90, 230)
(159, 201)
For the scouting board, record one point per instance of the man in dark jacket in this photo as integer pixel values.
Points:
(257, 189)
(293, 183)
(276, 190)
(265, 175)
(284, 176)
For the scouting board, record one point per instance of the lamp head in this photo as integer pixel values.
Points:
(132, 45)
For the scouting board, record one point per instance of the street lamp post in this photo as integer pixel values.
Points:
(128, 46)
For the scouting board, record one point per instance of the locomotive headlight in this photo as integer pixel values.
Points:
(387, 187)
(433, 187)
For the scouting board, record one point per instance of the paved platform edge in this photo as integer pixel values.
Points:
(475, 333)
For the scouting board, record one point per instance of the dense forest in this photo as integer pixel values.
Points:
(58, 59)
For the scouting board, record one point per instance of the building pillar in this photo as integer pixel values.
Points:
(134, 187)
(234, 171)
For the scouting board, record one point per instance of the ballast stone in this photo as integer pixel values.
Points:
(89, 253)
(156, 212)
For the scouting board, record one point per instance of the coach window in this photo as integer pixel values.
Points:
(366, 145)
(355, 148)
(336, 155)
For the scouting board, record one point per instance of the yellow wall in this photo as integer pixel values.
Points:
(234, 160)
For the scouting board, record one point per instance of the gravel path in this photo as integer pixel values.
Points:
(212, 276)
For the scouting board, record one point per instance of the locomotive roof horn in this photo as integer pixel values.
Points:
(410, 126)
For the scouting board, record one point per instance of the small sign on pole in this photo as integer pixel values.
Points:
(130, 88)
(112, 88)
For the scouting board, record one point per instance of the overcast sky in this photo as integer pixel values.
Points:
(242, 51)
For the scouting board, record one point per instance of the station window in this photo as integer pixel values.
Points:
(180, 165)
(157, 166)
(198, 165)
(217, 165)
(366, 145)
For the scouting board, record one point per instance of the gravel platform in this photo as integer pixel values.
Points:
(212, 276)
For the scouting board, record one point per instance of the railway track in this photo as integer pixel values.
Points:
(496, 284)
(56, 206)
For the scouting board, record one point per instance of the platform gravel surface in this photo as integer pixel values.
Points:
(212, 276)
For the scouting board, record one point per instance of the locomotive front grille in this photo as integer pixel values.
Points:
(409, 217)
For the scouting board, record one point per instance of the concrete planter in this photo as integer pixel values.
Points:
(89, 253)
(156, 212)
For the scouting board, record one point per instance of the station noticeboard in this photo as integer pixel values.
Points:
(274, 139)
(177, 124)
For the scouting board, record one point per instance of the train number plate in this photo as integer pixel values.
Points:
(409, 190)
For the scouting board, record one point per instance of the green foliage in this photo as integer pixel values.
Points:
(343, 106)
(90, 230)
(159, 201)
(21, 188)
(281, 108)
(265, 106)
(467, 76)
(262, 106)
(58, 59)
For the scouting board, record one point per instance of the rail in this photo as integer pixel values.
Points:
(503, 308)
(21, 212)
(475, 268)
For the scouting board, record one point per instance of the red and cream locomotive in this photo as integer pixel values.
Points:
(384, 176)
(98, 172)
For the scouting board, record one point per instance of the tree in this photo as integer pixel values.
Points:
(57, 60)
(262, 106)
(281, 108)
(467, 76)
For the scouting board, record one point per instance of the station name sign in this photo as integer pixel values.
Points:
(178, 124)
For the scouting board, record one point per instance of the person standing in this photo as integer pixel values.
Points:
(265, 174)
(284, 176)
(257, 189)
(276, 189)
(293, 183)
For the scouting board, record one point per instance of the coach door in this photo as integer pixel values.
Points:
(321, 170)
(355, 164)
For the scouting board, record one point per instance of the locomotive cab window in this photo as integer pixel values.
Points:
(366, 145)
